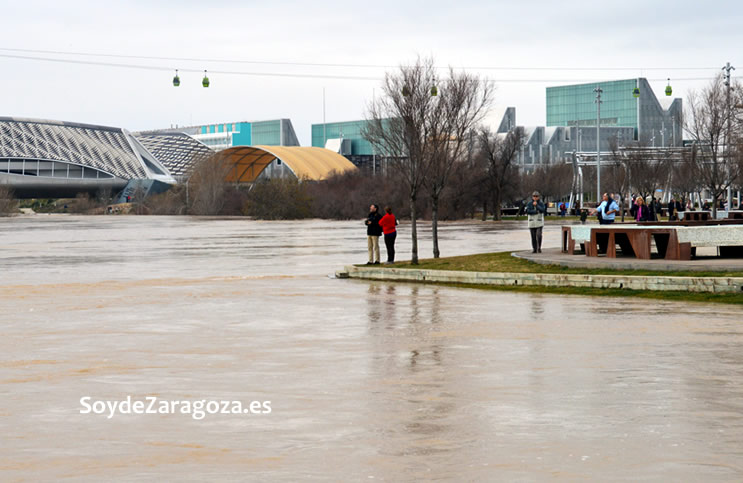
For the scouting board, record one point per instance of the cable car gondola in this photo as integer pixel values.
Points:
(205, 80)
(176, 79)
(669, 90)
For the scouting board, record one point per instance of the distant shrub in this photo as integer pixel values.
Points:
(348, 196)
(8, 204)
(278, 199)
(172, 202)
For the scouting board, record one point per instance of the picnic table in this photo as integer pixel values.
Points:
(672, 241)
(634, 240)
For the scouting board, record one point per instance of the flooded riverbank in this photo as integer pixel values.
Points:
(367, 380)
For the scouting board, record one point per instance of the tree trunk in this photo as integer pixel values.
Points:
(484, 210)
(435, 224)
(413, 231)
(497, 213)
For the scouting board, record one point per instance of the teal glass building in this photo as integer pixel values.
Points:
(654, 123)
(348, 139)
(218, 136)
(575, 105)
(626, 120)
(351, 130)
(276, 132)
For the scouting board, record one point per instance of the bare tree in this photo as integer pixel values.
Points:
(648, 169)
(498, 153)
(464, 189)
(8, 204)
(421, 124)
(709, 122)
(400, 126)
(552, 181)
(207, 186)
(464, 100)
(684, 175)
(618, 175)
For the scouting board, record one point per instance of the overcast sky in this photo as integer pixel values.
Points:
(653, 39)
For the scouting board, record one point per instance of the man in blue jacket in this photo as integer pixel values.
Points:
(608, 210)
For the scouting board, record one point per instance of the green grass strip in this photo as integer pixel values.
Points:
(505, 262)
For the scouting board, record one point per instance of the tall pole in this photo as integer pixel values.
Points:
(324, 126)
(727, 68)
(598, 92)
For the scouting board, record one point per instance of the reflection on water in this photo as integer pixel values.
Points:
(368, 380)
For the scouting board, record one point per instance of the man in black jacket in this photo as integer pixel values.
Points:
(373, 232)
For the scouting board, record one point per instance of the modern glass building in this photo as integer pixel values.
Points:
(351, 130)
(219, 136)
(42, 158)
(654, 123)
(575, 105)
(177, 151)
(347, 138)
(631, 114)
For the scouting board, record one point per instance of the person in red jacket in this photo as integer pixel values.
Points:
(388, 224)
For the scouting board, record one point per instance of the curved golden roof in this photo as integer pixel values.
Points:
(247, 162)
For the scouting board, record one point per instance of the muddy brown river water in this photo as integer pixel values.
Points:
(367, 381)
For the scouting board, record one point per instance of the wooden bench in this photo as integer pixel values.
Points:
(696, 215)
(637, 241)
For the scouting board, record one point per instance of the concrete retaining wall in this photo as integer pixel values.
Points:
(684, 284)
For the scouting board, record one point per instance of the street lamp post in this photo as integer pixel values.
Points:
(598, 92)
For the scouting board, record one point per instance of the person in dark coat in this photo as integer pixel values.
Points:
(536, 211)
(672, 216)
(642, 211)
(657, 209)
(373, 232)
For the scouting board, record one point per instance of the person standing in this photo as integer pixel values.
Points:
(642, 212)
(657, 209)
(388, 224)
(536, 211)
(373, 232)
(649, 207)
(607, 209)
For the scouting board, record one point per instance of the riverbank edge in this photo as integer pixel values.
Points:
(615, 283)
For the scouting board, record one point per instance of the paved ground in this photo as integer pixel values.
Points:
(554, 256)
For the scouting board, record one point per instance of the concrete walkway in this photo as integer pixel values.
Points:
(554, 256)
(683, 284)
